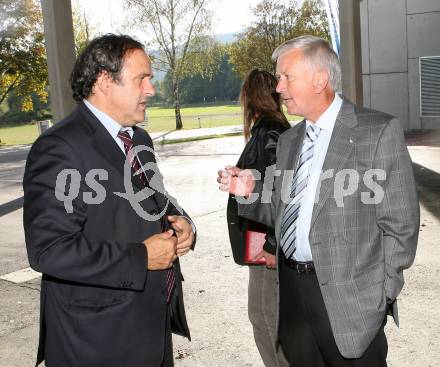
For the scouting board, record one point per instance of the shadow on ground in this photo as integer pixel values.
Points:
(428, 187)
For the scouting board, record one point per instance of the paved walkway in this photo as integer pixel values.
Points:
(165, 136)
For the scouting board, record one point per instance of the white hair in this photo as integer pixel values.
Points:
(318, 53)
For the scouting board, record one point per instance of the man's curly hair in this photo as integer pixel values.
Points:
(102, 54)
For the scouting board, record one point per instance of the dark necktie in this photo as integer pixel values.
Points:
(128, 145)
(299, 184)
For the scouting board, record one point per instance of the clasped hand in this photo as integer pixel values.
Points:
(164, 248)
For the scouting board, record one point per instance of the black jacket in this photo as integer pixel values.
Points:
(259, 153)
(100, 306)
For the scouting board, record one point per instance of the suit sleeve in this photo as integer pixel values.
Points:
(268, 149)
(268, 154)
(398, 213)
(55, 241)
(262, 209)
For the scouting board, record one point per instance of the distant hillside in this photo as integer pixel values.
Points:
(225, 37)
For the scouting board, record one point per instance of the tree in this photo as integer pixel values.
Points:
(81, 29)
(178, 27)
(218, 83)
(23, 66)
(276, 23)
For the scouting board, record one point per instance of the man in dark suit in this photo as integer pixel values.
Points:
(106, 242)
(345, 213)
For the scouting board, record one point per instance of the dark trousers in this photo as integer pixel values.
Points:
(305, 332)
(168, 359)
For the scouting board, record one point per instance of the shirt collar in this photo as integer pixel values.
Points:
(111, 125)
(327, 120)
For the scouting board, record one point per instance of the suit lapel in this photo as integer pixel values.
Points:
(106, 146)
(146, 155)
(341, 144)
(103, 141)
(288, 158)
(150, 168)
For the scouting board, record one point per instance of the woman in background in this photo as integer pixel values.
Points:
(263, 122)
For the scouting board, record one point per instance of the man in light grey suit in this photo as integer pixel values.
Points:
(345, 211)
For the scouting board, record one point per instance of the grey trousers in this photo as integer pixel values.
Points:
(262, 310)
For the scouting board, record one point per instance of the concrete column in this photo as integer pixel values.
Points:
(350, 54)
(60, 48)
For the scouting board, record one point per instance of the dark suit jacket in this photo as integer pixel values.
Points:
(99, 304)
(259, 153)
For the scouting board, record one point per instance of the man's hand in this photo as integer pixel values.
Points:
(161, 250)
(236, 181)
(184, 233)
(271, 260)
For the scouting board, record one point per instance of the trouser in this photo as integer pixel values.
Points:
(168, 359)
(262, 310)
(305, 332)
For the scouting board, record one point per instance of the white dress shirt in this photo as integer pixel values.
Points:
(326, 122)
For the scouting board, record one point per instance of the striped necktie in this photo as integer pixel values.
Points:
(128, 147)
(299, 184)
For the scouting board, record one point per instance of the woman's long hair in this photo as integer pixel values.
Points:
(258, 97)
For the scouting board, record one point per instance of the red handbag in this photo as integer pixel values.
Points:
(254, 244)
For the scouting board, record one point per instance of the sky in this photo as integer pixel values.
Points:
(230, 16)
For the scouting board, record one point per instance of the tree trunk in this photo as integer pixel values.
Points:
(179, 124)
(11, 86)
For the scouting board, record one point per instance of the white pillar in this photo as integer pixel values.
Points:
(350, 54)
(60, 49)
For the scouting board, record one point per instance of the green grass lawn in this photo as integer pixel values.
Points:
(195, 111)
(13, 135)
(163, 119)
(168, 123)
(159, 119)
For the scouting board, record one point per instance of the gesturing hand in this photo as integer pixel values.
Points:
(236, 181)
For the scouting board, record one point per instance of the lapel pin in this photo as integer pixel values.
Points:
(350, 140)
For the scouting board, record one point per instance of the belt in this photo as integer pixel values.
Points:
(301, 267)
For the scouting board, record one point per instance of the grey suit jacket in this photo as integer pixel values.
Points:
(360, 242)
